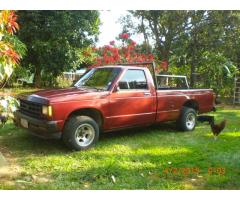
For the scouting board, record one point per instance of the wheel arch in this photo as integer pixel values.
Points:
(90, 112)
(191, 104)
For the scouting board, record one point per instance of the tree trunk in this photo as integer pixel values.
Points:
(192, 76)
(37, 78)
(194, 62)
(144, 32)
(193, 66)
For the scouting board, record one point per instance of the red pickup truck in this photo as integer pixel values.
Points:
(109, 98)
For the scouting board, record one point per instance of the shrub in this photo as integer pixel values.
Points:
(8, 105)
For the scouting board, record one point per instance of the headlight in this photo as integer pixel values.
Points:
(47, 110)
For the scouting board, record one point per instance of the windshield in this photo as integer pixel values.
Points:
(99, 78)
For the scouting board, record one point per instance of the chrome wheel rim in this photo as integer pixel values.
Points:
(190, 121)
(84, 135)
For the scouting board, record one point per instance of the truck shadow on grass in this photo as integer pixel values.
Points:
(162, 128)
(16, 139)
(20, 141)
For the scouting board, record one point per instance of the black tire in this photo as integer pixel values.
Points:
(184, 123)
(75, 128)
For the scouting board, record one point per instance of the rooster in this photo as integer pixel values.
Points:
(216, 128)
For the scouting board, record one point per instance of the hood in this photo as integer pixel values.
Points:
(73, 93)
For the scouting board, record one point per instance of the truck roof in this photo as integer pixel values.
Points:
(121, 66)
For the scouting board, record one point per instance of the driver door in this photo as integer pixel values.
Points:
(133, 104)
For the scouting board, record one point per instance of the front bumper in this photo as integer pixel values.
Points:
(39, 127)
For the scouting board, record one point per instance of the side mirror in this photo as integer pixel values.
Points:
(116, 88)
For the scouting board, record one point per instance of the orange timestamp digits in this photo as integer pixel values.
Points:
(193, 171)
(181, 171)
(216, 170)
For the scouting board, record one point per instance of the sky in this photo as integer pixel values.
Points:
(111, 28)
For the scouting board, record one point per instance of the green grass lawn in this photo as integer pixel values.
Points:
(156, 157)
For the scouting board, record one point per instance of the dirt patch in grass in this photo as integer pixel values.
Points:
(9, 169)
(13, 176)
(7, 161)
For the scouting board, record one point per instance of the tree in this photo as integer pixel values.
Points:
(191, 40)
(231, 36)
(54, 40)
(204, 37)
(11, 48)
(164, 27)
(128, 52)
(191, 44)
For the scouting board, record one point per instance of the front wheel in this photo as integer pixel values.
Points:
(80, 132)
(187, 119)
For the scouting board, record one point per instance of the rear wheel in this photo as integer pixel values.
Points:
(187, 119)
(80, 132)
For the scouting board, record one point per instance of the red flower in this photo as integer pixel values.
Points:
(12, 54)
(94, 48)
(124, 36)
(164, 65)
(12, 25)
(107, 47)
(112, 42)
(150, 57)
(110, 54)
(133, 43)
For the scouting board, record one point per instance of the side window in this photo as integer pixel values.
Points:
(133, 79)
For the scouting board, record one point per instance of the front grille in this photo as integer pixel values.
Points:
(31, 108)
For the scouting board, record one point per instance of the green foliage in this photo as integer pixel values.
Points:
(63, 82)
(55, 39)
(218, 73)
(215, 71)
(163, 27)
(194, 42)
(8, 105)
(19, 73)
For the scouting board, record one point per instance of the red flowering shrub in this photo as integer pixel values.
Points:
(112, 42)
(133, 43)
(164, 65)
(128, 52)
(124, 36)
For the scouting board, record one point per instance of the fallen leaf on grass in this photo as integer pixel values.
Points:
(22, 181)
(113, 179)
(86, 185)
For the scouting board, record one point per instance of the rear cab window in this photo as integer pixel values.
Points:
(133, 79)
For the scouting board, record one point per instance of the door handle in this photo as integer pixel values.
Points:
(147, 93)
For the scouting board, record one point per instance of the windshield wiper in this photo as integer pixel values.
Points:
(98, 89)
(89, 87)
